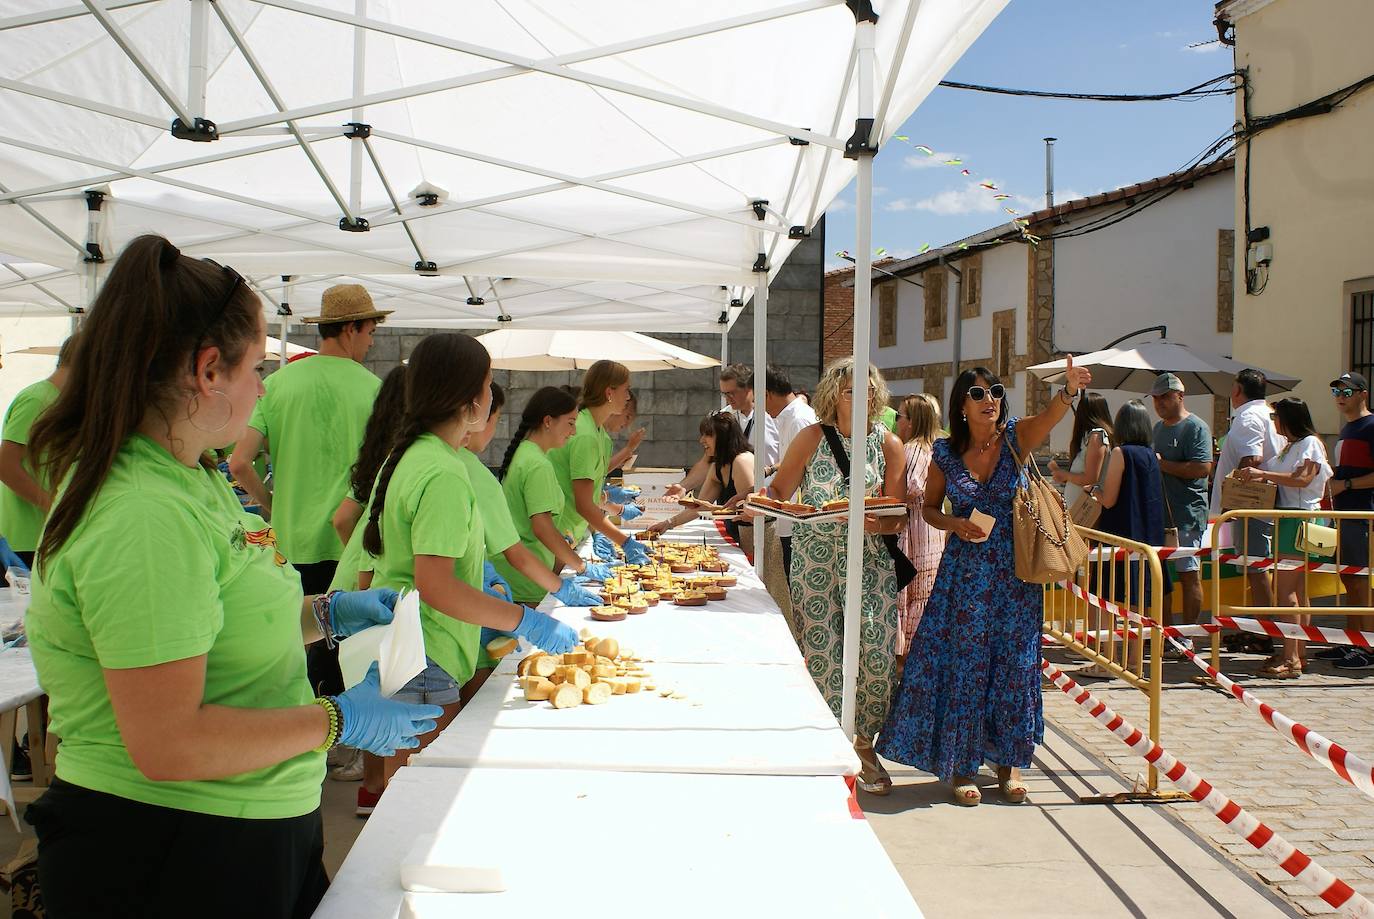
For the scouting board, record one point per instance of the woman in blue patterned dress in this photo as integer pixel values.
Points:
(970, 691)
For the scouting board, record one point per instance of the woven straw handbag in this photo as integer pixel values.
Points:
(1048, 548)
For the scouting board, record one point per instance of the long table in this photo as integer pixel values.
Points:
(731, 799)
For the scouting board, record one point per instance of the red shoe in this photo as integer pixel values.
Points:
(367, 801)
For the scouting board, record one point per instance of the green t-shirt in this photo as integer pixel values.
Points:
(354, 560)
(431, 510)
(888, 416)
(497, 525)
(164, 565)
(313, 417)
(20, 522)
(531, 487)
(586, 455)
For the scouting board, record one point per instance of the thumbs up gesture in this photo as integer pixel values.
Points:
(1076, 379)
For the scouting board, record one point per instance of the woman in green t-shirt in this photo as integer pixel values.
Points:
(167, 630)
(582, 463)
(425, 529)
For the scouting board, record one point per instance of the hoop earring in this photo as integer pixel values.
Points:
(195, 411)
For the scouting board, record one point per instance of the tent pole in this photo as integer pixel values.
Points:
(198, 70)
(288, 289)
(760, 375)
(355, 149)
(863, 152)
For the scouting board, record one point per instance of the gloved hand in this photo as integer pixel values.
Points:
(596, 571)
(621, 495)
(635, 552)
(380, 725)
(603, 547)
(494, 585)
(630, 512)
(351, 611)
(490, 634)
(570, 594)
(546, 632)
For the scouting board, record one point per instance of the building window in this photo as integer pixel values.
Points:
(887, 316)
(935, 308)
(1362, 332)
(1005, 351)
(971, 288)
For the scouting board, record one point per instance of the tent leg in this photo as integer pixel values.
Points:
(288, 287)
(760, 374)
(863, 296)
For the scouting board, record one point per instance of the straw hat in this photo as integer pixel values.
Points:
(347, 303)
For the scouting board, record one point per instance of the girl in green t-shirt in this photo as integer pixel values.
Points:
(167, 629)
(425, 527)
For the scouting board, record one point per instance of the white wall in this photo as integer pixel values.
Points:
(22, 369)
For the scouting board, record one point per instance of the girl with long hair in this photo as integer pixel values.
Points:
(378, 435)
(582, 463)
(970, 689)
(1089, 445)
(1301, 471)
(167, 630)
(918, 425)
(730, 474)
(426, 529)
(819, 552)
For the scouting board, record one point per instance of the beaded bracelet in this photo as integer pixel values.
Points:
(335, 723)
(320, 607)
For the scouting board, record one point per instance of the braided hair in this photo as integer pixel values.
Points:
(549, 402)
(448, 372)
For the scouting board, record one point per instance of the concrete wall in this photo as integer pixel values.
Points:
(1312, 184)
(671, 402)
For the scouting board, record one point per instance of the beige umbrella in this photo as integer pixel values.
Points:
(273, 349)
(1134, 368)
(538, 349)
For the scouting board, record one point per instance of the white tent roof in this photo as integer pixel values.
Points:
(586, 140)
(565, 349)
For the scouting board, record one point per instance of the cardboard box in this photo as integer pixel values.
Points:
(1247, 496)
(652, 483)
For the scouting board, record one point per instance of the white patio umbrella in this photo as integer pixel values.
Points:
(1134, 368)
(539, 349)
(273, 349)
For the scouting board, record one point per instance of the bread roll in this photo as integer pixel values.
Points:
(538, 689)
(544, 665)
(608, 647)
(566, 696)
(596, 693)
(498, 648)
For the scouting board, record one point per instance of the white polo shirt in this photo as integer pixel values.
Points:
(770, 435)
(1252, 434)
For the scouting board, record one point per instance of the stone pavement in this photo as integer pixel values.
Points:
(1231, 747)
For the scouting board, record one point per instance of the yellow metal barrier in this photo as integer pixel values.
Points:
(1319, 571)
(1127, 574)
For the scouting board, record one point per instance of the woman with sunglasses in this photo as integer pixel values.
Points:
(819, 552)
(730, 474)
(167, 629)
(970, 690)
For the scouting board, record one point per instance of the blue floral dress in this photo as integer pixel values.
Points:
(970, 692)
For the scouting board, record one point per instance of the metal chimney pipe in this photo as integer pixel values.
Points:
(1049, 171)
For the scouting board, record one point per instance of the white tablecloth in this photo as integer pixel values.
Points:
(18, 679)
(598, 844)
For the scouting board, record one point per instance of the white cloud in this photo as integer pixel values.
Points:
(971, 198)
(921, 161)
(1208, 47)
(839, 204)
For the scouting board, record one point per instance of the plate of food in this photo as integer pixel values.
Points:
(829, 512)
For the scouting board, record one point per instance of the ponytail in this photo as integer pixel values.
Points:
(388, 411)
(547, 402)
(152, 317)
(372, 536)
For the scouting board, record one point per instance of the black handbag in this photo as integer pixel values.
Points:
(901, 565)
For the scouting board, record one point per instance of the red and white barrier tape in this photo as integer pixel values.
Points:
(1331, 889)
(1107, 553)
(1259, 626)
(1352, 768)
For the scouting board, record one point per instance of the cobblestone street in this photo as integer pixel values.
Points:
(1232, 747)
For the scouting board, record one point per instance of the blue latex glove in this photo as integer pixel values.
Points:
(351, 611)
(630, 512)
(603, 548)
(570, 594)
(379, 725)
(596, 571)
(495, 585)
(621, 495)
(636, 553)
(545, 632)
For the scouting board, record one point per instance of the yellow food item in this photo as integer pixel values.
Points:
(596, 693)
(571, 673)
(579, 657)
(608, 647)
(544, 665)
(566, 696)
(498, 648)
(632, 686)
(538, 689)
(603, 670)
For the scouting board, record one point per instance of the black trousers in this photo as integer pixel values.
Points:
(321, 663)
(786, 556)
(26, 558)
(105, 857)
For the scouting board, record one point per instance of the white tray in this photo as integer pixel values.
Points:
(896, 510)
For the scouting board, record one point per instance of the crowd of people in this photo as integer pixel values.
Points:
(188, 640)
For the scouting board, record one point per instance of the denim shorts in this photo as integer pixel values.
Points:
(1259, 538)
(1188, 539)
(432, 686)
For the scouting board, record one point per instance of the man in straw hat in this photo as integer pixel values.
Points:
(311, 419)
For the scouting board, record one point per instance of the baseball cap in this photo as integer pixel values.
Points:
(1166, 382)
(1353, 380)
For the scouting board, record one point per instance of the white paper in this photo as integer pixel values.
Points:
(398, 648)
(985, 523)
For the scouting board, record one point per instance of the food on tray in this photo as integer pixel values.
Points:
(838, 504)
(607, 613)
(882, 501)
(498, 648)
(718, 566)
(726, 580)
(765, 501)
(690, 598)
(682, 567)
(715, 592)
(797, 508)
(650, 597)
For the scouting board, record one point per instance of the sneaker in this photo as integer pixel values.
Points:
(367, 802)
(1333, 653)
(1356, 660)
(21, 769)
(350, 767)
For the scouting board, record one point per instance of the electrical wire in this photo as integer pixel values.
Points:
(1200, 91)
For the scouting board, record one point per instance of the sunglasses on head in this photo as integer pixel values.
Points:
(979, 393)
(1344, 392)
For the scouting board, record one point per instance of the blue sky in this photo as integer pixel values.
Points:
(1100, 46)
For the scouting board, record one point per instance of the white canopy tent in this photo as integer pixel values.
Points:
(640, 165)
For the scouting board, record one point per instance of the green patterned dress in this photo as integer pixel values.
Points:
(819, 557)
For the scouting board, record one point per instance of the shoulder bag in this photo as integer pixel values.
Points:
(901, 565)
(1048, 547)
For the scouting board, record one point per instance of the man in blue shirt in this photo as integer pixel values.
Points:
(1352, 489)
(1183, 445)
